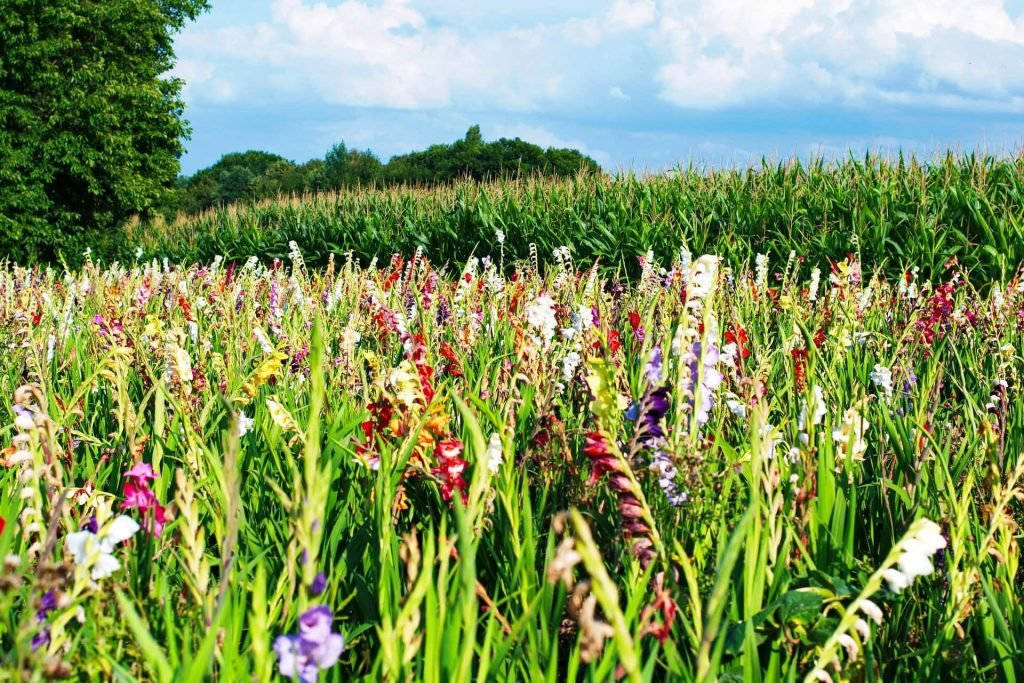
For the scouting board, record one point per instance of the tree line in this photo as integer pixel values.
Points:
(92, 130)
(254, 175)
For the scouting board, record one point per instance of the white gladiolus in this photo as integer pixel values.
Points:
(244, 425)
(881, 376)
(871, 610)
(541, 315)
(862, 629)
(849, 644)
(915, 555)
(702, 276)
(761, 271)
(95, 551)
(494, 454)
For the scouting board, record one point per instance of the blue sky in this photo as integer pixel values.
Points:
(640, 84)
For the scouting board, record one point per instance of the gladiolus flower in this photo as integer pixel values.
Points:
(314, 648)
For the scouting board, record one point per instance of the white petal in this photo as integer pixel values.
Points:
(873, 611)
(914, 561)
(78, 544)
(930, 536)
(105, 566)
(896, 579)
(121, 529)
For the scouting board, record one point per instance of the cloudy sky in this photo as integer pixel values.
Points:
(641, 84)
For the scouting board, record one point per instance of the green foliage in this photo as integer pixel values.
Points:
(891, 212)
(252, 176)
(90, 129)
(779, 563)
(473, 158)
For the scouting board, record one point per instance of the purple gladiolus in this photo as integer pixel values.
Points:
(319, 584)
(47, 604)
(653, 368)
(711, 378)
(314, 648)
(40, 639)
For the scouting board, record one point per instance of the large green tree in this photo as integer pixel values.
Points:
(90, 124)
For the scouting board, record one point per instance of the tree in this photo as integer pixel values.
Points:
(91, 128)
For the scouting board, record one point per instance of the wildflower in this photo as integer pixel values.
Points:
(818, 412)
(862, 629)
(500, 236)
(494, 454)
(736, 407)
(541, 315)
(737, 337)
(314, 648)
(881, 376)
(871, 610)
(761, 271)
(849, 644)
(653, 368)
(243, 425)
(812, 288)
(702, 366)
(319, 584)
(850, 435)
(450, 467)
(569, 365)
(915, 555)
(702, 276)
(139, 496)
(94, 551)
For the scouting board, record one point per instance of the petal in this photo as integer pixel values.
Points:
(327, 653)
(78, 544)
(287, 655)
(104, 566)
(121, 529)
(315, 624)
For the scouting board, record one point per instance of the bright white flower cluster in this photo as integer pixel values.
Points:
(812, 288)
(540, 313)
(494, 454)
(94, 551)
(881, 376)
(916, 550)
(761, 271)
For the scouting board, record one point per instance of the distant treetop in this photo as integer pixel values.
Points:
(256, 175)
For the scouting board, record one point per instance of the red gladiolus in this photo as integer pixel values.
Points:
(738, 336)
(800, 368)
(450, 468)
(614, 343)
(819, 337)
(3, 523)
(595, 448)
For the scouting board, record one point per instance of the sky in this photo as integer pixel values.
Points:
(643, 85)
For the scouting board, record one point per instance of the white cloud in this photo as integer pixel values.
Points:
(927, 52)
(695, 54)
(616, 93)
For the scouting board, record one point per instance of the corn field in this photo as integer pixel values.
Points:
(731, 466)
(894, 214)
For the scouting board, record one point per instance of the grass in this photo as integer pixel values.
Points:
(488, 470)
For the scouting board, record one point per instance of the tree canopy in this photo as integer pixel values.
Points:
(91, 128)
(256, 175)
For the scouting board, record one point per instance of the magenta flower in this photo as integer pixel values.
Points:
(141, 473)
(138, 496)
(314, 648)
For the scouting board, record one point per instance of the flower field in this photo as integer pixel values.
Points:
(510, 471)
